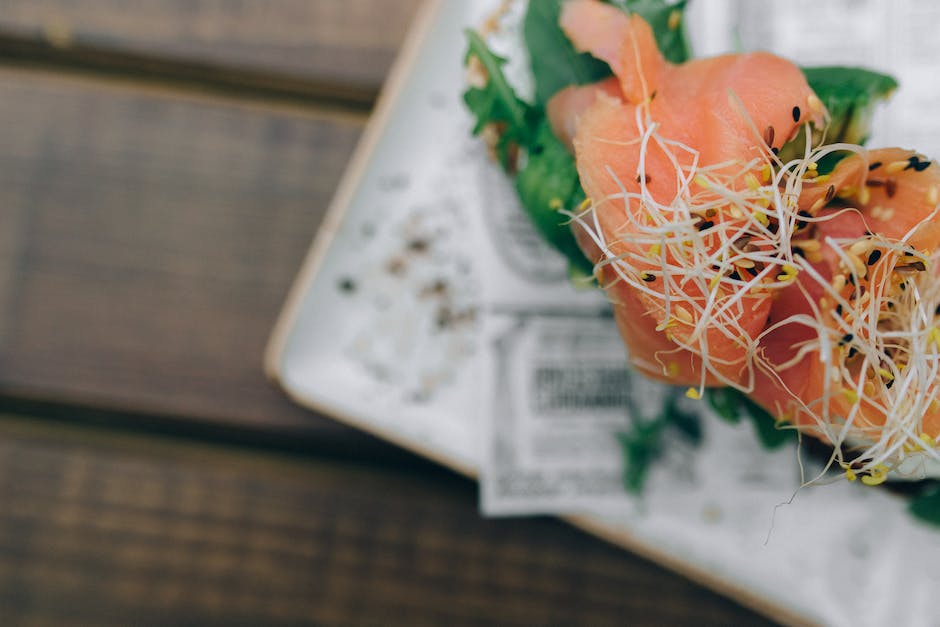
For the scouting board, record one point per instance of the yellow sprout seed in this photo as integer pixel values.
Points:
(878, 475)
(675, 18)
(896, 166)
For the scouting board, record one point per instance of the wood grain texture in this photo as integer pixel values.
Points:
(349, 44)
(100, 529)
(148, 243)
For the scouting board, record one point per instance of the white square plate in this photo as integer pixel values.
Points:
(386, 330)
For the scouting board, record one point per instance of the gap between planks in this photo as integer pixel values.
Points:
(181, 78)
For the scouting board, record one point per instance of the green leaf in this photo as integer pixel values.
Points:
(555, 63)
(770, 435)
(548, 180)
(547, 183)
(643, 445)
(668, 23)
(496, 102)
(850, 95)
(926, 505)
(730, 404)
(726, 402)
(688, 424)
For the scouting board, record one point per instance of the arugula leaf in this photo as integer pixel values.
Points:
(726, 403)
(730, 404)
(850, 95)
(643, 445)
(687, 423)
(548, 180)
(496, 102)
(771, 436)
(547, 183)
(555, 63)
(926, 505)
(668, 23)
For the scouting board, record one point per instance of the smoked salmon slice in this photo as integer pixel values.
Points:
(652, 220)
(851, 351)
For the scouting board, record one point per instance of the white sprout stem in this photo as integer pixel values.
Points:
(702, 285)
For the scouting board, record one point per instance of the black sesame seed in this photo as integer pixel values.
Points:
(704, 224)
(918, 165)
(848, 337)
(648, 278)
(830, 193)
(874, 183)
(776, 151)
(852, 352)
(889, 383)
(839, 309)
(891, 186)
(874, 256)
(646, 178)
(735, 276)
(347, 285)
(796, 114)
(936, 311)
(799, 252)
(874, 166)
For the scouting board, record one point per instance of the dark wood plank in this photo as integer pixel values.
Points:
(148, 242)
(99, 529)
(349, 44)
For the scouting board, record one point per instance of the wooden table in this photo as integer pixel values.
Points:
(164, 165)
